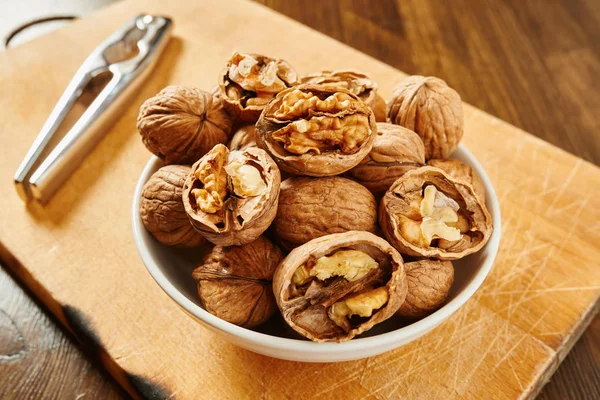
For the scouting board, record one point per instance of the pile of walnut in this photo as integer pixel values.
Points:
(363, 187)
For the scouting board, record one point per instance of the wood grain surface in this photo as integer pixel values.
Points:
(38, 359)
(575, 384)
(532, 63)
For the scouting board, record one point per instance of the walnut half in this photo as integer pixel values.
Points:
(426, 213)
(316, 130)
(250, 81)
(459, 170)
(338, 286)
(231, 196)
(357, 83)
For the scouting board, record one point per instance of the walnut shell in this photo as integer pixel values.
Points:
(228, 213)
(162, 211)
(429, 284)
(316, 130)
(395, 151)
(380, 109)
(459, 170)
(356, 82)
(180, 124)
(234, 283)
(247, 89)
(243, 138)
(313, 207)
(432, 109)
(401, 219)
(306, 308)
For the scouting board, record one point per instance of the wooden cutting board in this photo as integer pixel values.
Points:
(77, 253)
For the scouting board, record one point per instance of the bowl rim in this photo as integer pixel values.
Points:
(399, 336)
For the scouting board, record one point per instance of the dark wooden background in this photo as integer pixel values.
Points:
(533, 63)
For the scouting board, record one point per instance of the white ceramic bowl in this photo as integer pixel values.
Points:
(172, 270)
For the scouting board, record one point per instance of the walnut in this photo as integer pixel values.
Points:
(162, 211)
(362, 305)
(359, 282)
(429, 284)
(180, 124)
(243, 138)
(234, 283)
(316, 130)
(426, 213)
(231, 196)
(395, 151)
(250, 81)
(351, 265)
(314, 207)
(357, 83)
(380, 109)
(432, 109)
(459, 170)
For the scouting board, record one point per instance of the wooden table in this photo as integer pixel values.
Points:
(532, 64)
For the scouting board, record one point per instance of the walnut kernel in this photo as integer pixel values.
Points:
(323, 133)
(349, 264)
(357, 83)
(213, 178)
(316, 130)
(245, 179)
(250, 81)
(363, 305)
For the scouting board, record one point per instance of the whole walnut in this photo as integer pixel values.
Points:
(243, 138)
(250, 81)
(429, 283)
(316, 130)
(380, 109)
(432, 109)
(180, 124)
(427, 213)
(162, 211)
(231, 197)
(234, 283)
(313, 207)
(395, 151)
(338, 286)
(356, 82)
(459, 170)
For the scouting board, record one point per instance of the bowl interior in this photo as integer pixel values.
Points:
(172, 269)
